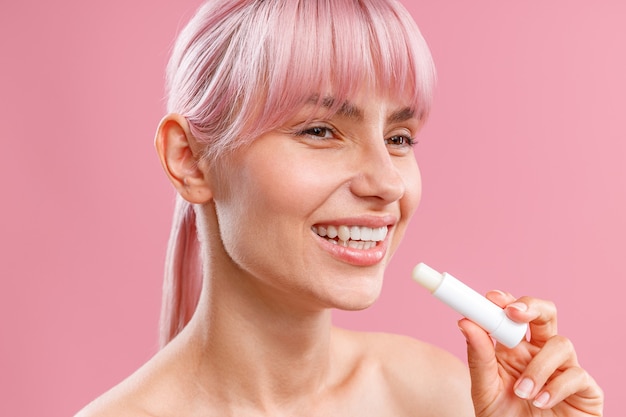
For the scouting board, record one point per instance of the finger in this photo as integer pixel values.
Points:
(556, 355)
(540, 314)
(574, 385)
(500, 298)
(481, 360)
(507, 301)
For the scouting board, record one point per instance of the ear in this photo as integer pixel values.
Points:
(180, 156)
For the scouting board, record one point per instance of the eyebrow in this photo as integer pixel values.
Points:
(401, 115)
(351, 111)
(347, 109)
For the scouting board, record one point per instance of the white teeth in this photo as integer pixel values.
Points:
(366, 233)
(358, 237)
(343, 232)
(359, 244)
(379, 233)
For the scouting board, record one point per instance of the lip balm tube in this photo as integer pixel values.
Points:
(472, 305)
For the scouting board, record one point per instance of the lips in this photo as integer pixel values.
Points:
(356, 237)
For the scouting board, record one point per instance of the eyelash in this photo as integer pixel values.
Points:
(407, 140)
(309, 132)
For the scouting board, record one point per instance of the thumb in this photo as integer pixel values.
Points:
(482, 363)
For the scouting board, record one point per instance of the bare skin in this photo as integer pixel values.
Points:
(374, 381)
(261, 341)
(539, 377)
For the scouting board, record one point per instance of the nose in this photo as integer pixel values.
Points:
(377, 176)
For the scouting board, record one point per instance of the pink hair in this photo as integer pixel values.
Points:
(242, 67)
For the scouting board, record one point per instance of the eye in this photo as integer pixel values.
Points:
(321, 132)
(400, 141)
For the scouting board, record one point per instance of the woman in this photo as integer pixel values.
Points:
(289, 140)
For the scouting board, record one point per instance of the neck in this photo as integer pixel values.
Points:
(250, 350)
(250, 342)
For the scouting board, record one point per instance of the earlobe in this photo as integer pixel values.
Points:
(180, 157)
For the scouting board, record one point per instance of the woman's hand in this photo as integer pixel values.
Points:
(539, 377)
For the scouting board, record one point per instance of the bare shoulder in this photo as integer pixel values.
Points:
(148, 392)
(113, 403)
(123, 400)
(419, 377)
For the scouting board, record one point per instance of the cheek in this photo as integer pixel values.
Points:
(409, 203)
(413, 193)
(269, 199)
(292, 185)
(266, 214)
(285, 189)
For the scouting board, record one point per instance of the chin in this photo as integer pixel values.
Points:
(356, 299)
(355, 306)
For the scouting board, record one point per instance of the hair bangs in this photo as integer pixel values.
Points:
(336, 49)
(242, 68)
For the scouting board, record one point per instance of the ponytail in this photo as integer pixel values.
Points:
(183, 273)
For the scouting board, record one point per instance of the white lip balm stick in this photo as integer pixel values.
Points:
(470, 304)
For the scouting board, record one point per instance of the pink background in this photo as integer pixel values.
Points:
(523, 159)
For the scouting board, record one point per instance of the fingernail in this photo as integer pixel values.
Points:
(524, 388)
(541, 400)
(519, 306)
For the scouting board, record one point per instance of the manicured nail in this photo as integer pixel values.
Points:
(541, 400)
(524, 388)
(519, 306)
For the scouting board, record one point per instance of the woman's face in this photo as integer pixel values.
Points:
(310, 213)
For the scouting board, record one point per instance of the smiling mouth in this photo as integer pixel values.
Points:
(357, 237)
